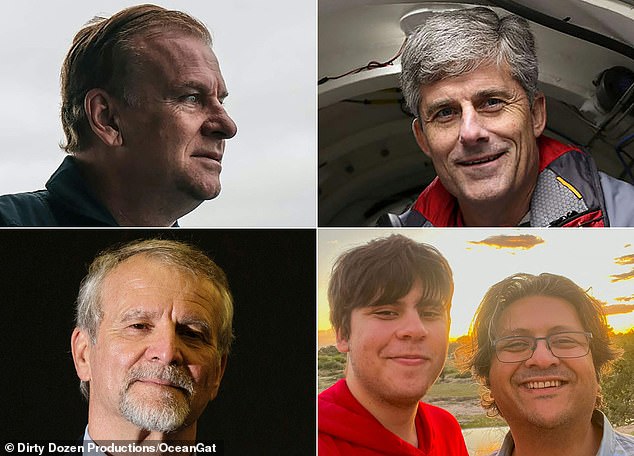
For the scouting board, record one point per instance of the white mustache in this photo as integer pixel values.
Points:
(174, 375)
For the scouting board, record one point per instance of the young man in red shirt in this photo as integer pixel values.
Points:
(389, 305)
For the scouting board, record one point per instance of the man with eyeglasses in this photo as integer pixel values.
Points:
(539, 345)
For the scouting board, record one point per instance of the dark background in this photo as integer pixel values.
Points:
(266, 403)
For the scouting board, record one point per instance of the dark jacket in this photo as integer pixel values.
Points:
(67, 201)
(570, 191)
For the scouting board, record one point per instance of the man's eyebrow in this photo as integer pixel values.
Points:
(195, 321)
(478, 95)
(383, 303)
(190, 84)
(513, 332)
(423, 303)
(436, 105)
(134, 314)
(493, 93)
(202, 87)
(431, 303)
(525, 332)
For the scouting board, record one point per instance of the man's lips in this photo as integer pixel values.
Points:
(159, 382)
(480, 160)
(409, 359)
(217, 157)
(543, 384)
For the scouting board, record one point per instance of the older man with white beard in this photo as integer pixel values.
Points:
(154, 328)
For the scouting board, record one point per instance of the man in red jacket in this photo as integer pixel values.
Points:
(470, 78)
(389, 305)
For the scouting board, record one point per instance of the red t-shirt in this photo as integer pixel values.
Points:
(347, 428)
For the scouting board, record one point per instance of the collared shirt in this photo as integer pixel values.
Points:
(613, 443)
(92, 450)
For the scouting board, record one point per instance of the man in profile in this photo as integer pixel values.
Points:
(142, 110)
(152, 336)
(389, 306)
(470, 79)
(539, 347)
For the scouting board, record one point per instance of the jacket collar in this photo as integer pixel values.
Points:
(441, 208)
(69, 189)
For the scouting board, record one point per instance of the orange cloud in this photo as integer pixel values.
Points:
(619, 309)
(625, 260)
(622, 277)
(522, 242)
(624, 298)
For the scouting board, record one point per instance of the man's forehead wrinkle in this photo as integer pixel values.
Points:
(131, 280)
(486, 92)
(519, 321)
(200, 315)
(466, 81)
(154, 53)
(140, 281)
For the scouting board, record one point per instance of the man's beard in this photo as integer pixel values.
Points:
(172, 406)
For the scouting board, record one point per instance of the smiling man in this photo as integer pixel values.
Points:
(142, 110)
(389, 305)
(154, 329)
(540, 345)
(470, 78)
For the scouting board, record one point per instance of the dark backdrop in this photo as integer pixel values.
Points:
(266, 403)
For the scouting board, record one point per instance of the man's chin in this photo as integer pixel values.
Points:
(213, 194)
(156, 418)
(203, 191)
(164, 411)
(549, 420)
(485, 193)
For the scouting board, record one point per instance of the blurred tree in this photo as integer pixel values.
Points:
(618, 386)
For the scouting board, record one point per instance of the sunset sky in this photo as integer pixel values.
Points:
(599, 260)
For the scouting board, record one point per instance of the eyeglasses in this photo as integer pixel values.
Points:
(515, 349)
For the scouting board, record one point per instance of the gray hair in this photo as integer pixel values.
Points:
(458, 42)
(178, 254)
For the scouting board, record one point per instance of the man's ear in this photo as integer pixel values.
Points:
(419, 134)
(538, 112)
(80, 345)
(343, 344)
(101, 111)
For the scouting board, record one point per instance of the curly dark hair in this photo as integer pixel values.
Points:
(477, 353)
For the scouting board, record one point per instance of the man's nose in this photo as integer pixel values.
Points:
(219, 123)
(472, 130)
(164, 346)
(411, 326)
(542, 356)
